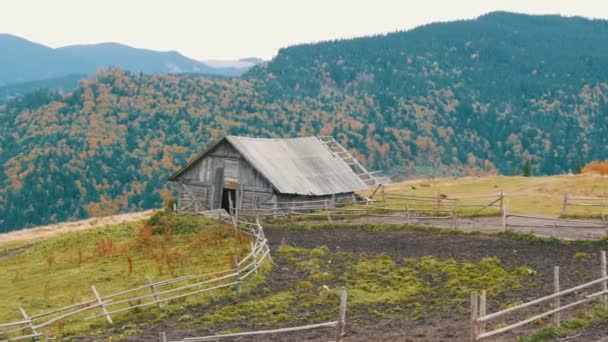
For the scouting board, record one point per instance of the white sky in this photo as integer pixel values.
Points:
(228, 29)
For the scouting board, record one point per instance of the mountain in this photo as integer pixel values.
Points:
(498, 94)
(141, 60)
(24, 61)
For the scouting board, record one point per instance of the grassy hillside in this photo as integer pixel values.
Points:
(524, 195)
(59, 271)
(498, 94)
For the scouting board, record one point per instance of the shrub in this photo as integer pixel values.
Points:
(165, 222)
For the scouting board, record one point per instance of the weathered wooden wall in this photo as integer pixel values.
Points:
(201, 186)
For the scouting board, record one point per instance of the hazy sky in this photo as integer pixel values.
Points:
(225, 29)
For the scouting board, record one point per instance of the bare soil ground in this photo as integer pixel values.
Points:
(43, 232)
(450, 326)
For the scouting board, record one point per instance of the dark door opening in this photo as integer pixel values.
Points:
(227, 195)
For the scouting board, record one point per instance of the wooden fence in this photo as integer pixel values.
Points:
(148, 294)
(600, 205)
(480, 318)
(468, 205)
(339, 325)
(532, 222)
(383, 204)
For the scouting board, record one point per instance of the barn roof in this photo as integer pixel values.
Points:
(302, 166)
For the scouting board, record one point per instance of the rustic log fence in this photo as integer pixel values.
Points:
(479, 318)
(598, 203)
(339, 324)
(382, 203)
(150, 293)
(533, 222)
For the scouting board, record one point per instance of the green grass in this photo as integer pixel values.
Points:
(379, 286)
(579, 321)
(60, 271)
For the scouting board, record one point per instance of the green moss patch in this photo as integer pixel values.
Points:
(379, 286)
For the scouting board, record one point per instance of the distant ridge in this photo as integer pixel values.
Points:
(22, 61)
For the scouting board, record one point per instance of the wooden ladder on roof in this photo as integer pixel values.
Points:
(338, 151)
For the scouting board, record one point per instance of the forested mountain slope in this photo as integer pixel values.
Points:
(468, 97)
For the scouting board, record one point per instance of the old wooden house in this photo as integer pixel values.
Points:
(259, 173)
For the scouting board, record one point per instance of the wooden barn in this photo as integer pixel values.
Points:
(265, 173)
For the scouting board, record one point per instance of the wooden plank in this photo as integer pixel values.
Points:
(58, 318)
(102, 304)
(29, 324)
(474, 317)
(167, 299)
(153, 288)
(235, 260)
(262, 332)
(10, 324)
(23, 337)
(542, 299)
(534, 318)
(341, 326)
(482, 310)
(232, 275)
(486, 206)
(556, 303)
(604, 274)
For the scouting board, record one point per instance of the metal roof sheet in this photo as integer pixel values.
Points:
(302, 166)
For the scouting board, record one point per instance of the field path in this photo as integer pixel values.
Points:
(67, 227)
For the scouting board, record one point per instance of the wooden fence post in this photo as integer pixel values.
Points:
(103, 306)
(454, 216)
(163, 337)
(235, 260)
(482, 310)
(156, 298)
(474, 316)
(438, 199)
(557, 302)
(255, 258)
(29, 320)
(407, 212)
(504, 216)
(328, 212)
(565, 206)
(341, 328)
(604, 283)
(502, 200)
(383, 196)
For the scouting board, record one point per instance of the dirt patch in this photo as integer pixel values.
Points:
(598, 332)
(14, 252)
(578, 263)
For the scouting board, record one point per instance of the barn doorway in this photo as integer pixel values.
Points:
(228, 194)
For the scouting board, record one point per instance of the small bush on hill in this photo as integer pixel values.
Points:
(166, 222)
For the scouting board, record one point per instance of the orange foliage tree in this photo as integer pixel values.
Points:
(596, 167)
